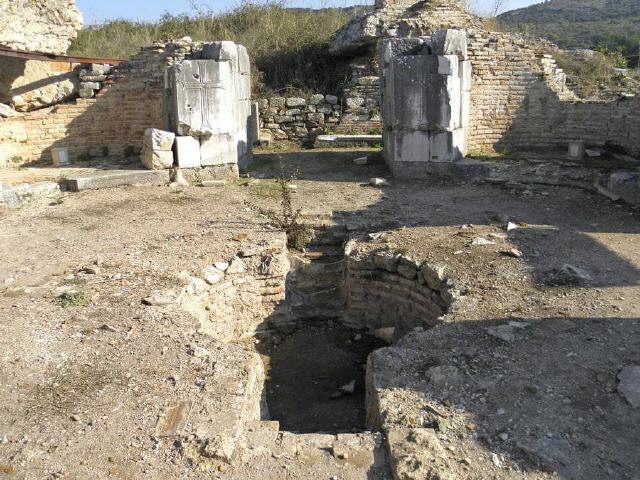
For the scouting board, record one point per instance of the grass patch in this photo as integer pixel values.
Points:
(490, 154)
(265, 189)
(595, 73)
(288, 46)
(72, 299)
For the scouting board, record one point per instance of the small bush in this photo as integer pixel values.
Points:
(72, 299)
(299, 235)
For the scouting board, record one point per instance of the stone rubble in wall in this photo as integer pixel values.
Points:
(401, 18)
(296, 118)
(248, 287)
(92, 78)
(211, 109)
(157, 153)
(362, 93)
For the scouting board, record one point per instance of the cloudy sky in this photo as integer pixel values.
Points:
(97, 11)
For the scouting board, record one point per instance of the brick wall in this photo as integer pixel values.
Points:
(110, 124)
(519, 100)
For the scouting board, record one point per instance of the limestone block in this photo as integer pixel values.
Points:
(116, 178)
(316, 99)
(156, 159)
(394, 47)
(187, 152)
(465, 72)
(228, 51)
(448, 65)
(429, 101)
(38, 26)
(156, 139)
(465, 109)
(6, 111)
(278, 102)
(332, 99)
(447, 146)
(450, 42)
(60, 156)
(203, 96)
(85, 92)
(254, 124)
(296, 102)
(411, 146)
(91, 85)
(32, 84)
(218, 150)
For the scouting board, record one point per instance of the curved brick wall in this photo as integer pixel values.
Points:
(386, 290)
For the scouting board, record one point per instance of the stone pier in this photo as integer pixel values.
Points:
(425, 102)
(211, 104)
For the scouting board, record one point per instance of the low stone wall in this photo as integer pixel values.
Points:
(299, 119)
(362, 94)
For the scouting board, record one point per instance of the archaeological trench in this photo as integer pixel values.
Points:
(426, 314)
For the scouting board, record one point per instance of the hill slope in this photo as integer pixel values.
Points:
(581, 23)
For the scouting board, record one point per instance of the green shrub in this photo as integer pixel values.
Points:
(72, 299)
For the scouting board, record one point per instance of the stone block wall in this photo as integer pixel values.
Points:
(362, 95)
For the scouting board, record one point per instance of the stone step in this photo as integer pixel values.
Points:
(315, 455)
(116, 178)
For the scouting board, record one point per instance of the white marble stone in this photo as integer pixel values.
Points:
(187, 152)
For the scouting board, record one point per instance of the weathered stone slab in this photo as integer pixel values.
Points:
(450, 42)
(465, 70)
(448, 65)
(425, 101)
(218, 150)
(347, 140)
(203, 95)
(626, 184)
(116, 178)
(188, 152)
(156, 139)
(429, 100)
(412, 146)
(156, 159)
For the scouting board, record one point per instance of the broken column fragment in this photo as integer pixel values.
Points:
(211, 96)
(426, 86)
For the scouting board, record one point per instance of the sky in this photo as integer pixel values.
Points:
(98, 11)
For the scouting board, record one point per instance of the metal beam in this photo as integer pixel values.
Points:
(49, 57)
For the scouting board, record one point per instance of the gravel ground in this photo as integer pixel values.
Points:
(83, 381)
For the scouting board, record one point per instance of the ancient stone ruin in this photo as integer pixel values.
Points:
(426, 101)
(454, 296)
(211, 106)
(35, 26)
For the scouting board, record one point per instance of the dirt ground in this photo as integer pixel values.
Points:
(305, 373)
(83, 380)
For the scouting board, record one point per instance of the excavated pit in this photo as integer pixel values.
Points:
(315, 378)
(339, 306)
